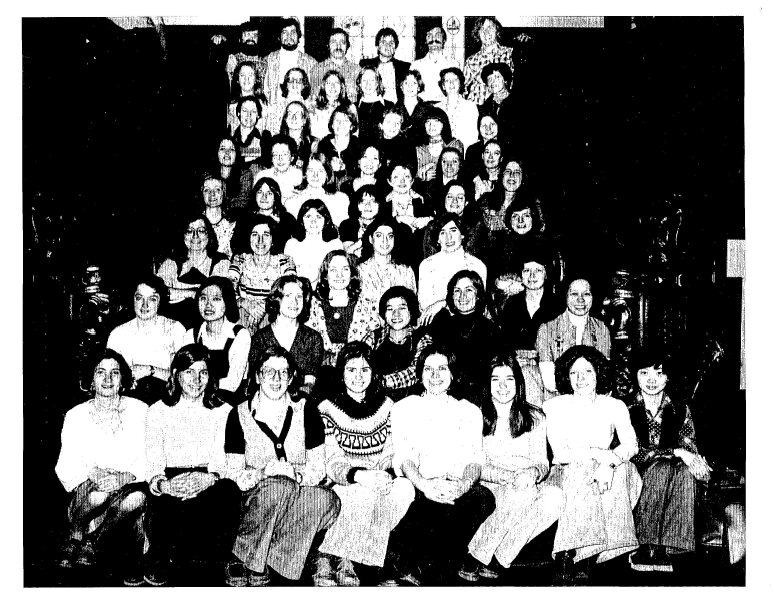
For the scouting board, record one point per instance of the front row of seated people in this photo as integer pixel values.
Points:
(272, 472)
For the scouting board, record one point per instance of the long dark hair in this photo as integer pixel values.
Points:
(375, 392)
(524, 417)
(451, 359)
(180, 251)
(226, 291)
(594, 357)
(399, 254)
(329, 231)
(322, 100)
(183, 360)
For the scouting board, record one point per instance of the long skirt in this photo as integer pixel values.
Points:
(665, 513)
(520, 516)
(279, 523)
(362, 530)
(594, 523)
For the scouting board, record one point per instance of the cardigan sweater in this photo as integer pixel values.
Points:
(558, 335)
(307, 348)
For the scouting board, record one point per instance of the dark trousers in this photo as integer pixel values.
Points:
(433, 537)
(665, 513)
(203, 527)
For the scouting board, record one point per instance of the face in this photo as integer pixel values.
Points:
(264, 198)
(383, 241)
(450, 165)
(193, 380)
(533, 275)
(410, 87)
(512, 177)
(295, 83)
(455, 200)
(488, 33)
(451, 84)
(226, 153)
(368, 207)
(368, 82)
(315, 174)
(260, 239)
(280, 157)
(295, 117)
(248, 115)
(338, 46)
(289, 37)
(332, 88)
(196, 238)
(434, 39)
(579, 297)
(313, 222)
(521, 221)
(391, 126)
(401, 180)
(465, 296)
(357, 375)
(433, 127)
(146, 302)
(492, 155)
(292, 302)
(212, 307)
(342, 126)
(107, 378)
(583, 378)
(213, 193)
(387, 46)
(246, 79)
(503, 385)
(369, 162)
(652, 381)
(339, 273)
(436, 375)
(274, 377)
(488, 128)
(495, 82)
(450, 238)
(397, 314)
(250, 37)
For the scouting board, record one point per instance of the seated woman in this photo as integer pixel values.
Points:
(102, 465)
(381, 263)
(438, 442)
(283, 168)
(295, 87)
(332, 94)
(287, 309)
(455, 198)
(214, 194)
(237, 176)
(254, 268)
(342, 147)
(437, 137)
(397, 344)
(275, 451)
(220, 332)
(370, 165)
(487, 131)
(266, 201)
(464, 328)
(412, 108)
(194, 511)
(297, 124)
(318, 184)
(516, 463)
(149, 341)
(600, 486)
(670, 465)
(436, 271)
(316, 235)
(358, 452)
(462, 113)
(365, 205)
(340, 313)
(370, 103)
(489, 172)
(243, 84)
(253, 141)
(187, 268)
(449, 168)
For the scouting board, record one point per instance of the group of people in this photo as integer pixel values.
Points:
(362, 350)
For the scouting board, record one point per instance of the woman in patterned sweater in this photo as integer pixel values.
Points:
(358, 450)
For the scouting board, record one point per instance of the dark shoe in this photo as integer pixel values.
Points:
(564, 568)
(661, 560)
(345, 574)
(388, 577)
(470, 569)
(236, 574)
(492, 571)
(157, 574)
(69, 552)
(134, 577)
(323, 577)
(642, 559)
(87, 554)
(257, 579)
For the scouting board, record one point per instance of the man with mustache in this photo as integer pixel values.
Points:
(248, 51)
(288, 56)
(338, 44)
(430, 65)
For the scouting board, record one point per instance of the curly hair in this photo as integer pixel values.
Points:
(458, 73)
(502, 69)
(399, 253)
(597, 360)
(185, 358)
(274, 299)
(323, 286)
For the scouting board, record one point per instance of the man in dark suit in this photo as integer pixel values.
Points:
(390, 69)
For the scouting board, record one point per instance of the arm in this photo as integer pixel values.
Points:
(155, 457)
(220, 269)
(72, 467)
(177, 289)
(237, 361)
(408, 376)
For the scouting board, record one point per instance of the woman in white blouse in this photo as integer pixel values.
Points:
(316, 236)
(600, 486)
(193, 512)
(102, 465)
(462, 113)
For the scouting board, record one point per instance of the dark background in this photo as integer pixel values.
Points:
(639, 115)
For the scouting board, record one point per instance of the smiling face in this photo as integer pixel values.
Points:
(455, 200)
(579, 298)
(503, 385)
(213, 193)
(410, 86)
(337, 45)
(196, 238)
(339, 273)
(391, 125)
(652, 381)
(492, 155)
(512, 176)
(247, 80)
(583, 378)
(397, 314)
(295, 116)
(313, 222)
(146, 302)
(107, 378)
(193, 380)
(521, 221)
(226, 153)
(342, 126)
(281, 157)
(316, 174)
(495, 82)
(387, 46)
(295, 83)
(260, 240)
(274, 377)
(488, 128)
(368, 207)
(369, 161)
(292, 302)
(368, 83)
(401, 180)
(357, 375)
(332, 88)
(433, 127)
(383, 241)
(436, 374)
(264, 198)
(450, 238)
(465, 296)
(451, 84)
(450, 165)
(212, 307)
(533, 275)
(248, 115)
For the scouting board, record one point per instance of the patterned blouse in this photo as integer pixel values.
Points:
(365, 318)
(686, 434)
(476, 89)
(253, 282)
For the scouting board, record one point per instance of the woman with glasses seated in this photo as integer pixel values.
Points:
(188, 267)
(194, 511)
(275, 451)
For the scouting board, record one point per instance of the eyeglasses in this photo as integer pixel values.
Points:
(200, 232)
(269, 374)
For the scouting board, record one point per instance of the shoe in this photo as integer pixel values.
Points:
(345, 574)
(258, 579)
(134, 578)
(661, 560)
(470, 569)
(87, 554)
(236, 574)
(492, 571)
(69, 551)
(323, 577)
(157, 574)
(564, 568)
(643, 559)
(388, 576)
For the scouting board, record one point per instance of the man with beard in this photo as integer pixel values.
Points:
(338, 44)
(390, 69)
(430, 65)
(288, 56)
(248, 51)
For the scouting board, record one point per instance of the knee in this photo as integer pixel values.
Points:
(486, 499)
(133, 501)
(95, 499)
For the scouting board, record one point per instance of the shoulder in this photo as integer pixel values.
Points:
(171, 326)
(79, 412)
(221, 412)
(134, 405)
